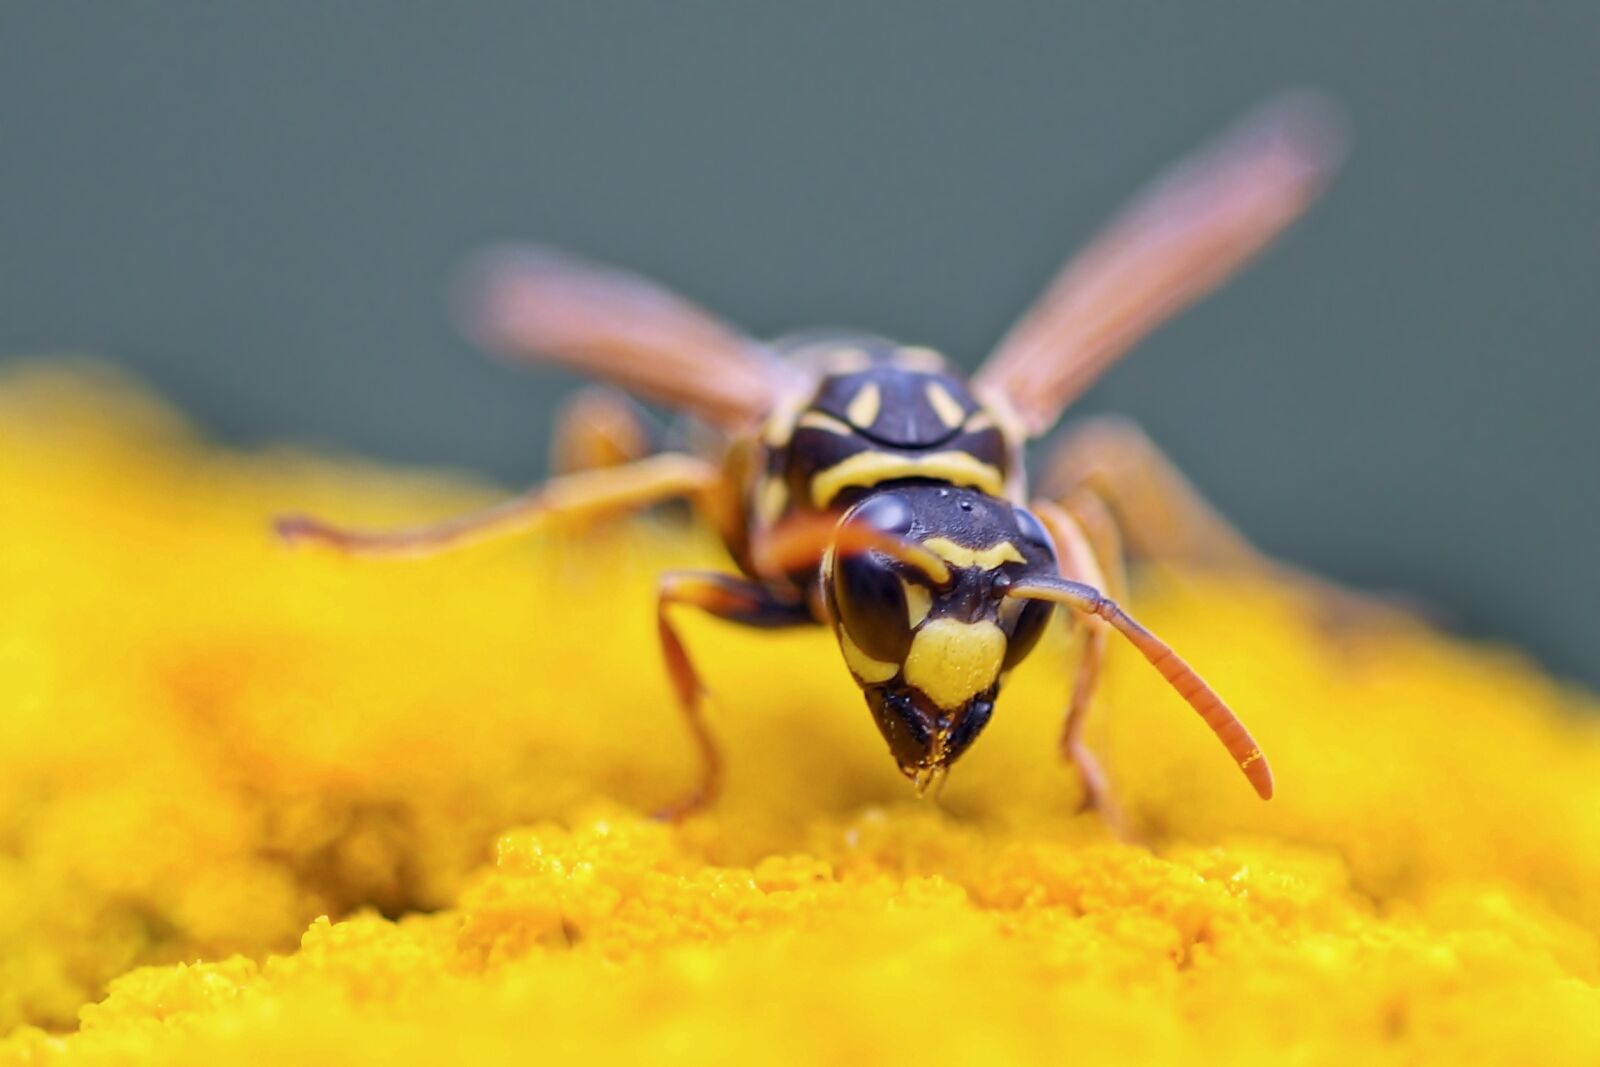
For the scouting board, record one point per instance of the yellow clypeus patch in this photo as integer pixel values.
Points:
(953, 661)
(206, 743)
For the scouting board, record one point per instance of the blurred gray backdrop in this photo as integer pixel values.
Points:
(257, 207)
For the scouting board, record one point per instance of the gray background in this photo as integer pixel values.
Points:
(256, 207)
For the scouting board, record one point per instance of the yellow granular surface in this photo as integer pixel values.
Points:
(258, 805)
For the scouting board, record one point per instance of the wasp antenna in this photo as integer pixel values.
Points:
(803, 540)
(1087, 600)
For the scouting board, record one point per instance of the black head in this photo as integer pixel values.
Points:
(931, 650)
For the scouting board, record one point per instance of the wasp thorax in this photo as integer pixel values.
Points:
(930, 645)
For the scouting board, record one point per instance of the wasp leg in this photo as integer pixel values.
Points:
(738, 600)
(600, 428)
(1109, 464)
(1099, 525)
(574, 496)
(1078, 563)
(1160, 512)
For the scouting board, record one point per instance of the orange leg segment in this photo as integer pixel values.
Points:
(586, 494)
(598, 428)
(738, 600)
(1080, 562)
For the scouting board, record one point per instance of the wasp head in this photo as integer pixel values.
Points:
(931, 645)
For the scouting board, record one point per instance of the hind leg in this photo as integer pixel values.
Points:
(573, 497)
(1108, 465)
(600, 427)
(1158, 511)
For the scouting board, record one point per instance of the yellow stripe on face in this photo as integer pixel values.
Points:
(866, 469)
(864, 666)
(947, 407)
(953, 661)
(919, 601)
(863, 408)
(962, 556)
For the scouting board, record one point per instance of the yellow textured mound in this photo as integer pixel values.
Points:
(207, 742)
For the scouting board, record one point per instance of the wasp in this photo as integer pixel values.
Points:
(868, 486)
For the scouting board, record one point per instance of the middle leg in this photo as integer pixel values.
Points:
(740, 600)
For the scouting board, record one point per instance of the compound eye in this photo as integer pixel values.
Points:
(871, 603)
(1024, 627)
(1025, 621)
(1033, 531)
(889, 512)
(868, 593)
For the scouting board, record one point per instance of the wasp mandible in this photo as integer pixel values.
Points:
(867, 486)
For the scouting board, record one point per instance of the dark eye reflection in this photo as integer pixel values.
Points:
(871, 603)
(1024, 627)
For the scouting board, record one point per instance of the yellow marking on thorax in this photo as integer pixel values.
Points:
(780, 424)
(953, 661)
(980, 420)
(919, 601)
(771, 499)
(862, 665)
(821, 420)
(866, 469)
(863, 408)
(947, 407)
(962, 556)
(845, 359)
(918, 357)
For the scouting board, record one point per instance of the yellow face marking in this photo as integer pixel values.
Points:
(962, 556)
(771, 499)
(919, 601)
(947, 407)
(864, 666)
(980, 420)
(821, 420)
(953, 661)
(918, 357)
(866, 469)
(863, 408)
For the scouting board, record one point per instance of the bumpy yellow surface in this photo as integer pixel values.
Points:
(207, 743)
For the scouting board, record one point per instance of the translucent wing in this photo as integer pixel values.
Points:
(1178, 239)
(540, 304)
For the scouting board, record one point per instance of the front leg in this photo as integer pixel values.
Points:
(1080, 562)
(739, 600)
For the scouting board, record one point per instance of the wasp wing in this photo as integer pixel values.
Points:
(533, 303)
(1177, 240)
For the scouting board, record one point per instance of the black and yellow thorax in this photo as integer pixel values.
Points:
(880, 413)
